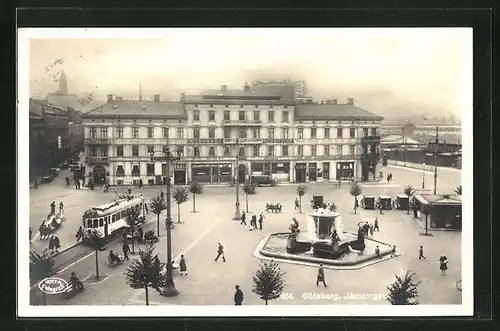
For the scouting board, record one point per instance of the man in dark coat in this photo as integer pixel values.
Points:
(421, 253)
(53, 208)
(57, 244)
(125, 250)
(375, 225)
(261, 219)
(183, 266)
(220, 252)
(321, 276)
(243, 218)
(238, 296)
(254, 221)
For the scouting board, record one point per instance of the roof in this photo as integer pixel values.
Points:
(439, 199)
(238, 93)
(333, 112)
(39, 107)
(72, 101)
(136, 108)
(398, 139)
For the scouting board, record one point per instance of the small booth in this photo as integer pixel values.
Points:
(445, 211)
(368, 202)
(384, 202)
(402, 202)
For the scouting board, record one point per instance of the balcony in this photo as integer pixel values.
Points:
(198, 141)
(97, 141)
(242, 122)
(370, 140)
(98, 160)
(243, 141)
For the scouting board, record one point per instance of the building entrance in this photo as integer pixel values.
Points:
(242, 172)
(300, 173)
(99, 175)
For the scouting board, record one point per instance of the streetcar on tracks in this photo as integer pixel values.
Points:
(111, 217)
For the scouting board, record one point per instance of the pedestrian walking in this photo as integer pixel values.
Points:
(375, 225)
(421, 253)
(31, 232)
(238, 296)
(321, 276)
(162, 194)
(443, 264)
(377, 251)
(388, 178)
(296, 204)
(356, 205)
(220, 252)
(261, 219)
(57, 244)
(79, 234)
(243, 219)
(393, 251)
(129, 190)
(371, 229)
(254, 221)
(125, 250)
(61, 207)
(53, 208)
(183, 266)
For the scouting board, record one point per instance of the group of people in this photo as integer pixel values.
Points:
(54, 244)
(370, 228)
(272, 207)
(389, 177)
(253, 220)
(53, 208)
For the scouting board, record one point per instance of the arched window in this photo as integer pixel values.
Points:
(226, 151)
(241, 151)
(211, 152)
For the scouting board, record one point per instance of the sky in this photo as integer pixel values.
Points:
(388, 71)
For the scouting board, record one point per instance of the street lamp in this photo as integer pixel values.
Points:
(169, 157)
(423, 176)
(237, 214)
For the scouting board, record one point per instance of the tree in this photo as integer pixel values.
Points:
(458, 190)
(404, 290)
(146, 272)
(355, 190)
(301, 191)
(409, 190)
(426, 210)
(249, 189)
(97, 243)
(157, 205)
(196, 188)
(268, 281)
(41, 267)
(180, 195)
(132, 219)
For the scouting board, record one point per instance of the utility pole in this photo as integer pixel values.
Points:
(237, 214)
(436, 142)
(404, 145)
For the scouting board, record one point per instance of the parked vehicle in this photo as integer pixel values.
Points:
(368, 202)
(47, 177)
(261, 180)
(402, 202)
(54, 171)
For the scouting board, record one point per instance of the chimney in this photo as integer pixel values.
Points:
(334, 101)
(350, 101)
(246, 87)
(183, 97)
(223, 87)
(156, 98)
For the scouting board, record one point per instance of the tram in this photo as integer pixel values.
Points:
(111, 217)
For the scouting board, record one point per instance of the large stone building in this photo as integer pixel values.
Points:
(226, 133)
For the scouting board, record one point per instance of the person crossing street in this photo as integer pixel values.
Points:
(220, 252)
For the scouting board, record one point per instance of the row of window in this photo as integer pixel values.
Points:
(242, 133)
(242, 115)
(99, 222)
(227, 151)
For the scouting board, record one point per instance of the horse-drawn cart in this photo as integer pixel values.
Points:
(54, 221)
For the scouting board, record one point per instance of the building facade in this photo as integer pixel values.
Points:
(227, 133)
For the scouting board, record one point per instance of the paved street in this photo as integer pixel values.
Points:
(210, 282)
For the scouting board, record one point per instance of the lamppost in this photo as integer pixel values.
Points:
(423, 176)
(237, 213)
(436, 141)
(169, 157)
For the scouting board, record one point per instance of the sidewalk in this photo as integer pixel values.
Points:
(428, 167)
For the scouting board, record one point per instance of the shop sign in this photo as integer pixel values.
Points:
(204, 141)
(179, 166)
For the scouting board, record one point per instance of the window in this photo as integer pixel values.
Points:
(365, 132)
(285, 116)
(241, 115)
(135, 171)
(196, 115)
(119, 171)
(339, 133)
(180, 133)
(313, 150)
(211, 115)
(313, 133)
(270, 116)
(135, 150)
(211, 151)
(256, 150)
(164, 148)
(104, 151)
(352, 133)
(104, 133)
(196, 133)
(150, 133)
(339, 150)
(284, 150)
(352, 150)
(179, 149)
(196, 151)
(165, 132)
(241, 152)
(227, 115)
(270, 150)
(271, 133)
(242, 133)
(151, 149)
(227, 133)
(93, 132)
(300, 150)
(256, 133)
(150, 169)
(119, 132)
(226, 151)
(119, 150)
(256, 115)
(135, 132)
(211, 132)
(327, 133)
(93, 151)
(374, 131)
(300, 133)
(284, 133)
(326, 150)
(163, 169)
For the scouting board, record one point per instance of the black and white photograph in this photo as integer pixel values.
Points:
(289, 171)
